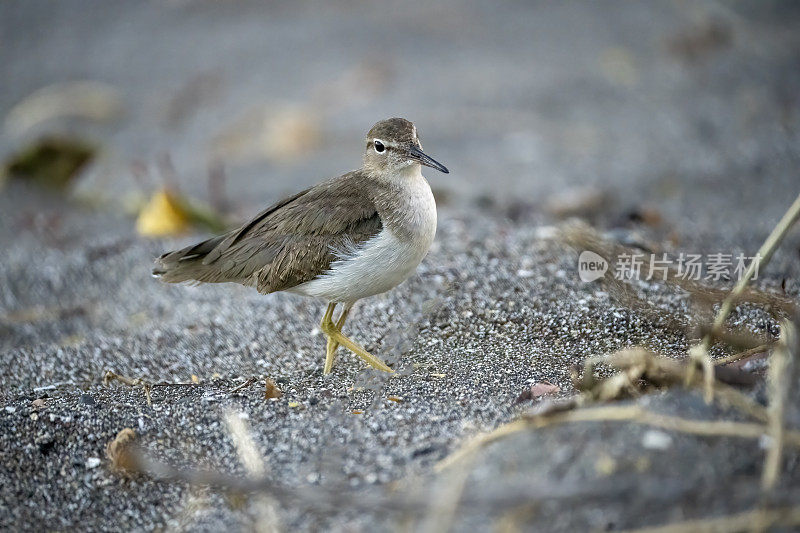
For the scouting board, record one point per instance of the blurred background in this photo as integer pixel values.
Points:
(687, 107)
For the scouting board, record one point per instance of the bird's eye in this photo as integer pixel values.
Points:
(379, 147)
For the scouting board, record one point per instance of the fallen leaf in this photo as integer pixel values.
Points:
(162, 215)
(195, 379)
(117, 450)
(50, 162)
(271, 390)
(167, 213)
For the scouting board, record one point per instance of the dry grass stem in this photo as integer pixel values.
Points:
(709, 428)
(244, 385)
(477, 443)
(748, 520)
(760, 261)
(131, 382)
(266, 511)
(742, 355)
(444, 505)
(146, 386)
(612, 413)
(581, 236)
(780, 369)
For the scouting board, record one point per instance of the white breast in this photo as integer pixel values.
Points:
(385, 260)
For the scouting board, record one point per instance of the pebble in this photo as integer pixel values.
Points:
(654, 439)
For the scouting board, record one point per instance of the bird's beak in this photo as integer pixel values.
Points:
(418, 155)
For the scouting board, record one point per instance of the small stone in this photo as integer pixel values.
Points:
(46, 446)
(38, 403)
(92, 462)
(544, 388)
(87, 399)
(11, 409)
(656, 440)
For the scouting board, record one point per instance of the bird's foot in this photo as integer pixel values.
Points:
(330, 356)
(335, 338)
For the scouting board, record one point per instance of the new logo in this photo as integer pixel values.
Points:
(591, 266)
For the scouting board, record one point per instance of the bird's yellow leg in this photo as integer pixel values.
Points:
(330, 351)
(335, 338)
(330, 356)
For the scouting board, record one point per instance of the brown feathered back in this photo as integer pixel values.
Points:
(289, 243)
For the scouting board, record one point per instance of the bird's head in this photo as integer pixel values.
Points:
(393, 145)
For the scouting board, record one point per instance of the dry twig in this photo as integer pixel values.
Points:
(700, 352)
(267, 520)
(131, 382)
(742, 355)
(786, 516)
(627, 413)
(146, 386)
(780, 369)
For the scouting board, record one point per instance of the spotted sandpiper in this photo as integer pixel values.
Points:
(344, 239)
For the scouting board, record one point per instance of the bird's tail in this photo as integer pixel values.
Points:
(187, 264)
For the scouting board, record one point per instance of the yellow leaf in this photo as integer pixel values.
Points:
(162, 215)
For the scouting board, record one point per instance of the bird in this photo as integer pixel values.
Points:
(342, 240)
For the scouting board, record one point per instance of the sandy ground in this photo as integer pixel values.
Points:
(680, 125)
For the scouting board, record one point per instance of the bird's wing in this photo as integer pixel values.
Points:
(287, 244)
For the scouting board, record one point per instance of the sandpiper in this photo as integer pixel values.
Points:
(344, 239)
